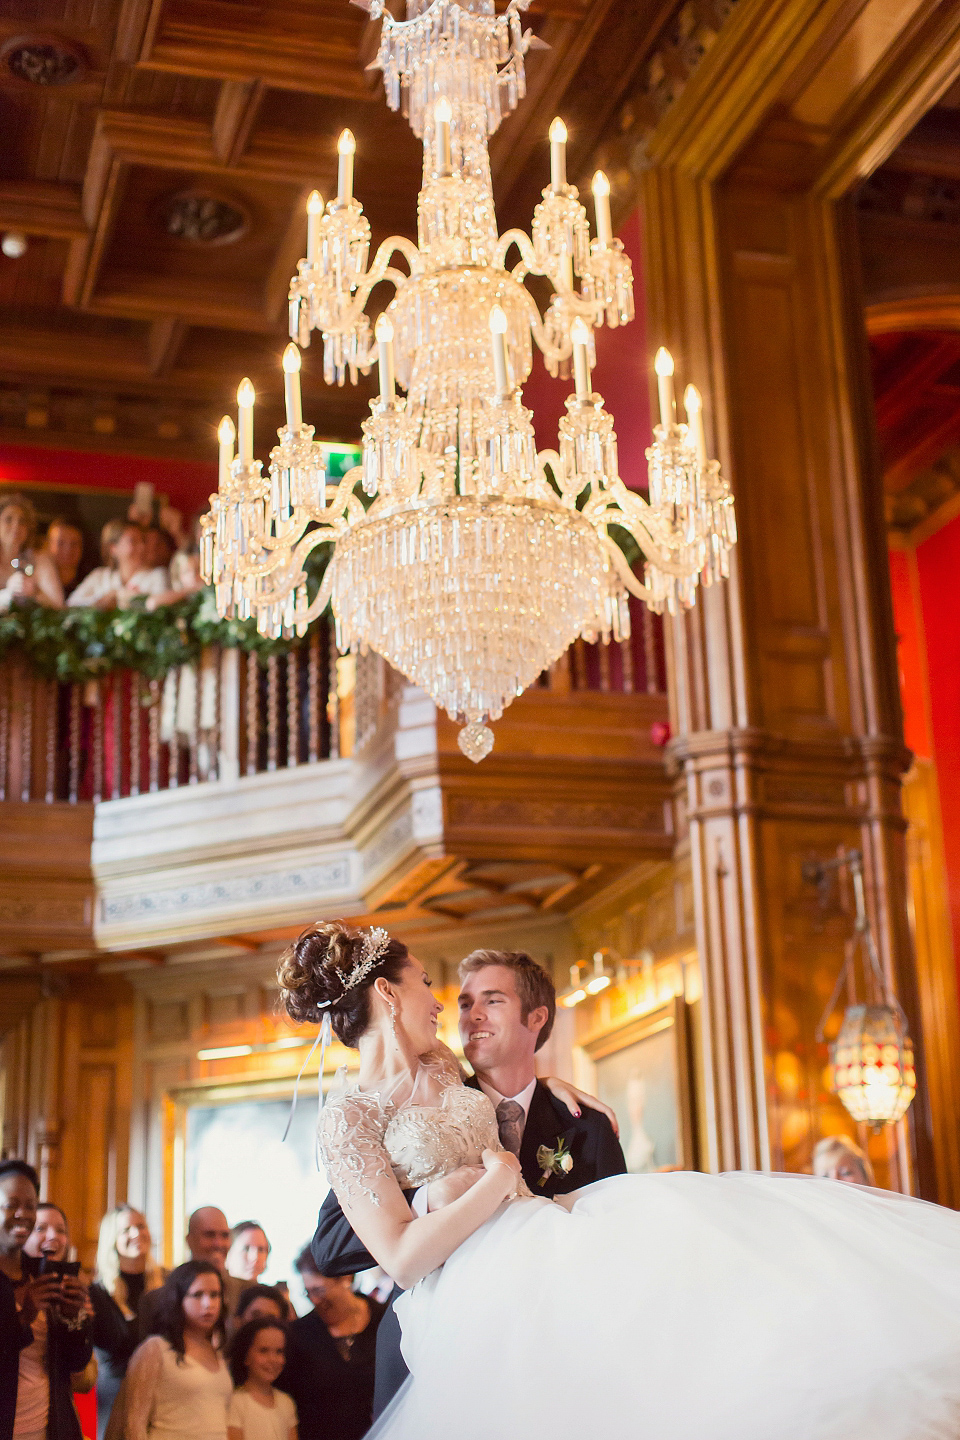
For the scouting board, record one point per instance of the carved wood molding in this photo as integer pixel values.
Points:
(750, 284)
(914, 312)
(217, 39)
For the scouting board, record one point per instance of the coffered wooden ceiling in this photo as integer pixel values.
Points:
(158, 154)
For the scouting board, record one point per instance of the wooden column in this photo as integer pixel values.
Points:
(783, 682)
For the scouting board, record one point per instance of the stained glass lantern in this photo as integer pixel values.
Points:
(872, 1057)
(873, 1069)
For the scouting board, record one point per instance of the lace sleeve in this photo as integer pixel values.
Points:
(350, 1138)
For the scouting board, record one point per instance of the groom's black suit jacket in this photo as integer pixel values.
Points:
(596, 1154)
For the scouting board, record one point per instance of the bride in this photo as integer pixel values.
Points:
(656, 1307)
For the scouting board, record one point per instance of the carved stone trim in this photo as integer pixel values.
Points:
(177, 901)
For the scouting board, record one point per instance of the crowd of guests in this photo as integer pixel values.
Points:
(140, 559)
(208, 1352)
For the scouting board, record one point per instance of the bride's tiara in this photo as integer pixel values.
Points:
(375, 942)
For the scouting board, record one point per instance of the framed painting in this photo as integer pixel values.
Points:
(642, 1070)
(226, 1148)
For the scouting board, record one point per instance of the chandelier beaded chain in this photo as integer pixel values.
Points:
(472, 560)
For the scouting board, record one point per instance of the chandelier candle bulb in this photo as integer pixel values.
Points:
(346, 149)
(558, 154)
(246, 395)
(498, 330)
(663, 364)
(384, 334)
(566, 272)
(443, 115)
(601, 201)
(226, 434)
(291, 387)
(314, 216)
(581, 359)
(693, 404)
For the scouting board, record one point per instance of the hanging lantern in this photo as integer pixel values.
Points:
(873, 1070)
(872, 1058)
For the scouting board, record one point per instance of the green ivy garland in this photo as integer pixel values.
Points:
(84, 644)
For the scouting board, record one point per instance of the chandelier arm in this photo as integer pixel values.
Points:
(322, 598)
(378, 271)
(620, 565)
(528, 256)
(540, 335)
(324, 534)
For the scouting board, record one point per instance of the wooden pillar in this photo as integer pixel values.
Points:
(783, 682)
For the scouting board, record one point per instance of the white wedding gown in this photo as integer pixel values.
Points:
(663, 1307)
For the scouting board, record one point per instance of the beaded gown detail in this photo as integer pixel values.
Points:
(662, 1307)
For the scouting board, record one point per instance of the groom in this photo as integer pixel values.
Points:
(507, 1009)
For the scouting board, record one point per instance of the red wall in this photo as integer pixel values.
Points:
(622, 377)
(927, 614)
(187, 483)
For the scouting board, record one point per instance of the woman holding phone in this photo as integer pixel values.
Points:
(52, 1339)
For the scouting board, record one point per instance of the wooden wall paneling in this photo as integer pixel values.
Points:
(936, 972)
(783, 682)
(95, 1104)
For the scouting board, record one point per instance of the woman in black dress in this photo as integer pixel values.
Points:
(331, 1357)
(125, 1271)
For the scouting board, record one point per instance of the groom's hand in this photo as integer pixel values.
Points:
(451, 1187)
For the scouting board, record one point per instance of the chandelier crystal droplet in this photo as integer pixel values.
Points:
(465, 557)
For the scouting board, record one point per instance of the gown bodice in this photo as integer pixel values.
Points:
(361, 1134)
(425, 1142)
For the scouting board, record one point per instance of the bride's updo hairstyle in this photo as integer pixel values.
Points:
(312, 972)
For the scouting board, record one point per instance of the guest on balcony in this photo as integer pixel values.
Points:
(64, 545)
(124, 575)
(25, 574)
(159, 547)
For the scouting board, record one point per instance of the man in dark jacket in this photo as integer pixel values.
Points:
(23, 1293)
(507, 1009)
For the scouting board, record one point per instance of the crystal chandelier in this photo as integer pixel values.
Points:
(472, 561)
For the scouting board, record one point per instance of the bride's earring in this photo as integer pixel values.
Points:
(393, 1020)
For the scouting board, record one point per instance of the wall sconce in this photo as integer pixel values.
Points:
(597, 978)
(228, 1052)
(872, 1056)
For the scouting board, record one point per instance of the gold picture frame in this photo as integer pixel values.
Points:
(642, 1068)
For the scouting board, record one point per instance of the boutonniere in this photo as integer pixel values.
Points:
(554, 1162)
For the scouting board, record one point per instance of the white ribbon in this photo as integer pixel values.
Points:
(324, 1039)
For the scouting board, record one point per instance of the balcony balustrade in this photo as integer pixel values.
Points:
(241, 791)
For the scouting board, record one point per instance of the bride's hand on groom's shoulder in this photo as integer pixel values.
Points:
(450, 1187)
(574, 1099)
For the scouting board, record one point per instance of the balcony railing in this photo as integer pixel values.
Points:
(232, 714)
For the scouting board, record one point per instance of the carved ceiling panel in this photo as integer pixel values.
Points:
(118, 114)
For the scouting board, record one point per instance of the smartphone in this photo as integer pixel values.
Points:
(58, 1267)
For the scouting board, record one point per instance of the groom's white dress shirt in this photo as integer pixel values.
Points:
(419, 1202)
